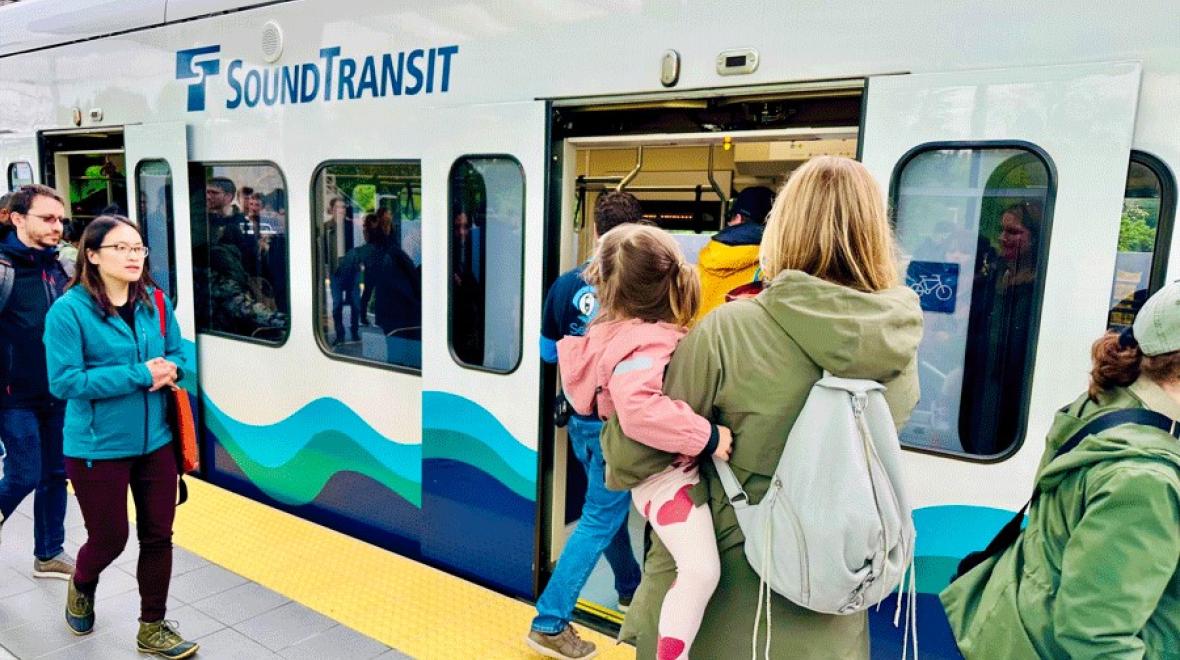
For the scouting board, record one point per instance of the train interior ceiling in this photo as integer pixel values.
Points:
(686, 159)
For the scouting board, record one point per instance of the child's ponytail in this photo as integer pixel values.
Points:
(684, 293)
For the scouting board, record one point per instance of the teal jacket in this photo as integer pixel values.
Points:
(96, 363)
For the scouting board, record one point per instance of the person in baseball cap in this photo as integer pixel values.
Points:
(730, 259)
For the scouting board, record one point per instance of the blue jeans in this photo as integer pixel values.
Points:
(34, 463)
(601, 530)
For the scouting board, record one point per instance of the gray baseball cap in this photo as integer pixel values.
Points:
(1157, 326)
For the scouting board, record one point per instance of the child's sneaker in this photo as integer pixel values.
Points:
(565, 645)
(160, 638)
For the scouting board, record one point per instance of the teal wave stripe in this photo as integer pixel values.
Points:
(291, 460)
(456, 428)
(956, 529)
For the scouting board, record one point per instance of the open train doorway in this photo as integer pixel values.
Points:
(686, 160)
(88, 169)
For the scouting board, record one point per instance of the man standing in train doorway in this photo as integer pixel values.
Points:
(31, 278)
(570, 306)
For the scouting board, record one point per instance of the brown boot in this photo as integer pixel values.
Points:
(565, 645)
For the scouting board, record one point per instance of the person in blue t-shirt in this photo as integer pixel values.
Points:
(570, 306)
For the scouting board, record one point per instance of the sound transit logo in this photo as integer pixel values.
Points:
(332, 77)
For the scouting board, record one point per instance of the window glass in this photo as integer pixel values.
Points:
(972, 227)
(239, 219)
(1146, 219)
(19, 174)
(368, 254)
(486, 261)
(154, 183)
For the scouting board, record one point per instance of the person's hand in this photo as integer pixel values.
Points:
(724, 443)
(163, 373)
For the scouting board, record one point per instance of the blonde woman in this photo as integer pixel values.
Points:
(833, 302)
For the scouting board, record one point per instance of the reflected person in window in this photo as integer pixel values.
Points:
(240, 304)
(467, 288)
(998, 345)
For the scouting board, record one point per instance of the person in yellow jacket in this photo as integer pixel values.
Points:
(730, 259)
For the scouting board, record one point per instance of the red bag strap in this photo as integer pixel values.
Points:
(159, 295)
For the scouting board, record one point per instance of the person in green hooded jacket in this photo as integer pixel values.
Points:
(832, 302)
(1096, 572)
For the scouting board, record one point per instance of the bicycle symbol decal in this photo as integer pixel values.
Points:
(936, 284)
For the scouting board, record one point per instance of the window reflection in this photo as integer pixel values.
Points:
(971, 224)
(1139, 240)
(486, 261)
(368, 254)
(240, 250)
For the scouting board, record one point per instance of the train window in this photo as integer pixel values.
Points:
(368, 228)
(154, 181)
(19, 174)
(486, 261)
(972, 224)
(1145, 234)
(239, 221)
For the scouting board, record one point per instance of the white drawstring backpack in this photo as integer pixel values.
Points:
(834, 533)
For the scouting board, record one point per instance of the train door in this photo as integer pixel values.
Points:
(484, 178)
(1006, 188)
(18, 161)
(157, 167)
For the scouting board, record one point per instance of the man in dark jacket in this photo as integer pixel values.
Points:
(30, 418)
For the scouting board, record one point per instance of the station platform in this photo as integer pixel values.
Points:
(252, 582)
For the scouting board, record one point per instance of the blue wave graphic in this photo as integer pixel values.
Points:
(274, 445)
(446, 412)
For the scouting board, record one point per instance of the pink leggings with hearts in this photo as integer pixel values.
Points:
(687, 532)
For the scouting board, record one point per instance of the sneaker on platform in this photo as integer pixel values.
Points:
(60, 567)
(565, 645)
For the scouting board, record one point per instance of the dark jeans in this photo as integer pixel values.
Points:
(101, 487)
(345, 295)
(32, 438)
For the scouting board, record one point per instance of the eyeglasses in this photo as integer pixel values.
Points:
(123, 249)
(50, 218)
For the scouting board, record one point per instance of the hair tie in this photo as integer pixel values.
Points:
(1127, 338)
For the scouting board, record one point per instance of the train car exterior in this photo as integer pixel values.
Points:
(434, 439)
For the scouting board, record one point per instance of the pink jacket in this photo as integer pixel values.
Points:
(621, 365)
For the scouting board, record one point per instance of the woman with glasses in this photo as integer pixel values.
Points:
(108, 359)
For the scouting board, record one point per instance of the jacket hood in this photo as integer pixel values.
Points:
(746, 233)
(1128, 441)
(721, 260)
(17, 250)
(846, 332)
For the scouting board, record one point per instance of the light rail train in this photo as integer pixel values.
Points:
(455, 149)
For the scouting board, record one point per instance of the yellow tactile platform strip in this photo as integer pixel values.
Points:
(413, 608)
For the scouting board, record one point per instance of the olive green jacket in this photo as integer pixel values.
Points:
(750, 365)
(1095, 573)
